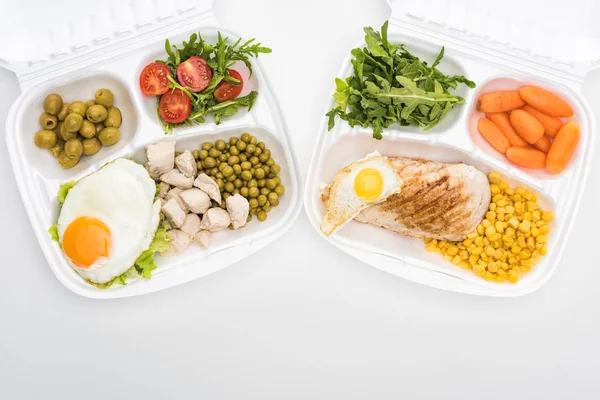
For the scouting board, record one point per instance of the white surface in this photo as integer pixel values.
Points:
(306, 324)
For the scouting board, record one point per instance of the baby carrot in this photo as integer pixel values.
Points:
(529, 128)
(551, 124)
(502, 121)
(526, 157)
(543, 144)
(546, 102)
(493, 135)
(562, 148)
(504, 100)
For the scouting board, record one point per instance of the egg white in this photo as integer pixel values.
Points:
(120, 194)
(344, 204)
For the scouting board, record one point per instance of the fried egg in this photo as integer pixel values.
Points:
(108, 219)
(359, 185)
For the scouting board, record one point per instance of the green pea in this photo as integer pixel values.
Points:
(243, 157)
(210, 162)
(177, 154)
(220, 175)
(272, 197)
(259, 173)
(252, 183)
(274, 203)
(206, 146)
(241, 145)
(202, 154)
(223, 157)
(220, 183)
(261, 183)
(196, 154)
(234, 151)
(252, 211)
(277, 179)
(199, 165)
(212, 152)
(261, 145)
(271, 184)
(238, 183)
(262, 199)
(258, 151)
(246, 137)
(246, 165)
(231, 178)
(253, 203)
(263, 158)
(220, 144)
(222, 165)
(266, 207)
(236, 191)
(214, 171)
(253, 192)
(280, 190)
(264, 191)
(253, 140)
(270, 162)
(225, 197)
(252, 171)
(237, 170)
(249, 218)
(266, 169)
(276, 169)
(229, 187)
(250, 149)
(246, 175)
(243, 191)
(233, 140)
(227, 171)
(254, 160)
(262, 216)
(233, 160)
(267, 152)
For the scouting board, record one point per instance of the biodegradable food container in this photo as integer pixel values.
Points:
(112, 55)
(497, 47)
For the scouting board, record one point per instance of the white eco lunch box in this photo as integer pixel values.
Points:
(109, 50)
(499, 46)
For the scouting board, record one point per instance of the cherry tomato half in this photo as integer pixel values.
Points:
(154, 79)
(226, 91)
(194, 73)
(174, 106)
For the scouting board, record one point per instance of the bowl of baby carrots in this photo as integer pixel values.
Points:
(529, 125)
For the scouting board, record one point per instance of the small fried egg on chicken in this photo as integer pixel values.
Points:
(359, 185)
(108, 219)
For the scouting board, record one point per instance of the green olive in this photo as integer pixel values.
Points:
(96, 113)
(65, 161)
(53, 104)
(91, 146)
(195, 154)
(74, 148)
(243, 191)
(105, 98)
(246, 137)
(45, 139)
(253, 192)
(57, 148)
(88, 129)
(210, 162)
(114, 118)
(90, 103)
(48, 121)
(280, 190)
(220, 144)
(261, 183)
(73, 123)
(99, 127)
(262, 199)
(78, 107)
(109, 136)
(64, 111)
(237, 170)
(261, 215)
(259, 173)
(64, 134)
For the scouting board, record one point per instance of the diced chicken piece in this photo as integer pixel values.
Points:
(175, 194)
(203, 239)
(191, 225)
(176, 178)
(174, 213)
(215, 219)
(179, 242)
(186, 164)
(161, 157)
(195, 200)
(163, 190)
(208, 186)
(238, 208)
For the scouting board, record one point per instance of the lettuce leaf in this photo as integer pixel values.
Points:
(53, 231)
(119, 280)
(63, 190)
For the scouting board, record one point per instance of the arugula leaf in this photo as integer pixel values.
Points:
(53, 231)
(390, 85)
(63, 190)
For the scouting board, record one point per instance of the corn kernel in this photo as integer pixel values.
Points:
(486, 223)
(520, 191)
(494, 189)
(525, 268)
(476, 251)
(464, 265)
(486, 241)
(500, 279)
(513, 278)
(509, 191)
(527, 216)
(525, 254)
(495, 177)
(518, 207)
(536, 215)
(484, 257)
(490, 216)
(501, 272)
(492, 267)
(479, 272)
(452, 250)
(541, 239)
(473, 259)
(535, 231)
(505, 266)
(543, 250)
(492, 207)
(480, 229)
(528, 196)
(497, 197)
(500, 216)
(547, 216)
(488, 276)
(515, 249)
(544, 230)
(531, 243)
(479, 241)
(521, 242)
(517, 197)
(514, 223)
(524, 226)
(503, 185)
(443, 244)
(464, 255)
(509, 209)
(447, 257)
(501, 203)
(456, 260)
(479, 267)
(499, 253)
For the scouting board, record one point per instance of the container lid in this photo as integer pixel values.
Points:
(57, 33)
(560, 35)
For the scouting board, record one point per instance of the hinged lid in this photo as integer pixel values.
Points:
(54, 37)
(558, 35)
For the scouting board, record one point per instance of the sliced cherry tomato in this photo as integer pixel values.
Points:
(154, 79)
(194, 73)
(227, 91)
(174, 106)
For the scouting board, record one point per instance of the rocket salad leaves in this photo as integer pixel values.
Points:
(391, 85)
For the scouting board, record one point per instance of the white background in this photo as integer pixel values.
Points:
(299, 320)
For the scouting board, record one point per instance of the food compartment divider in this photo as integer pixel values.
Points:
(38, 187)
(451, 142)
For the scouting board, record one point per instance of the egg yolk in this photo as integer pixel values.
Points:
(85, 240)
(368, 184)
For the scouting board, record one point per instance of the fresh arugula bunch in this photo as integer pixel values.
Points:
(220, 57)
(391, 85)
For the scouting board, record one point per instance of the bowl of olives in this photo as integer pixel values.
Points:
(73, 130)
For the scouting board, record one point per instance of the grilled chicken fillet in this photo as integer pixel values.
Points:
(440, 201)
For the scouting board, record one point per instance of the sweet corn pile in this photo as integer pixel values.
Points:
(508, 242)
